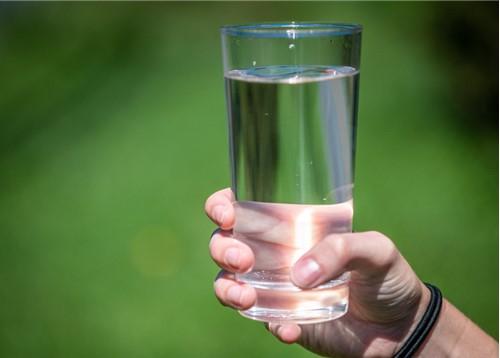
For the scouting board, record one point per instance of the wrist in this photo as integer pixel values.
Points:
(414, 319)
(457, 336)
(446, 335)
(451, 335)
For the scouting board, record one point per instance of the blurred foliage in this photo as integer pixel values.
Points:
(113, 133)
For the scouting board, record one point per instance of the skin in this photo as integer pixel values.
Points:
(386, 300)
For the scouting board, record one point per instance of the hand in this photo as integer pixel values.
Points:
(386, 297)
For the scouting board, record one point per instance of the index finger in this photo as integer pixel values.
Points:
(219, 208)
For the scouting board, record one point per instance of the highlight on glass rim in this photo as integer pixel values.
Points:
(229, 179)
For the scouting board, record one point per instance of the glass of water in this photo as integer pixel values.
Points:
(292, 94)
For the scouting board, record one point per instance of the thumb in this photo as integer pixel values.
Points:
(369, 253)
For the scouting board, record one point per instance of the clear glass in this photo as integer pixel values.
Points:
(292, 93)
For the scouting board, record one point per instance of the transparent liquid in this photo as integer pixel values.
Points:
(292, 134)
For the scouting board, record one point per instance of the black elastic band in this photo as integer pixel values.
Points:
(425, 325)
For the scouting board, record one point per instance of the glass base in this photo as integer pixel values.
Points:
(279, 300)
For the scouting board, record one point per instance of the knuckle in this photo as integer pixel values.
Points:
(376, 235)
(392, 253)
(387, 246)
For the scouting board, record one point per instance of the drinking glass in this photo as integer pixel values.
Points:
(292, 94)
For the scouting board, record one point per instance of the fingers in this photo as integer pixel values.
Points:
(219, 208)
(234, 294)
(287, 333)
(369, 253)
(230, 254)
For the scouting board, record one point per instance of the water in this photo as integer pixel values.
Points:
(292, 133)
(292, 137)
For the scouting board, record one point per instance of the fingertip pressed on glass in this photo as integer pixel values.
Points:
(292, 93)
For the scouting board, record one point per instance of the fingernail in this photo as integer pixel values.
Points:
(306, 272)
(219, 213)
(232, 257)
(234, 295)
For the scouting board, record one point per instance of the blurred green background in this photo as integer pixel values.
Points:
(113, 133)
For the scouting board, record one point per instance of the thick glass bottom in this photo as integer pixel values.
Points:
(279, 300)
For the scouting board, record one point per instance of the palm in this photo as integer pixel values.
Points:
(380, 314)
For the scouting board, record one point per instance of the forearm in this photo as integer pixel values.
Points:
(454, 335)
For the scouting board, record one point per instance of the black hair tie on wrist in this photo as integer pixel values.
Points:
(425, 325)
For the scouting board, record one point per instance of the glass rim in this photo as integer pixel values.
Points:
(292, 29)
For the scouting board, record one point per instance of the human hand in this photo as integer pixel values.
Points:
(386, 297)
